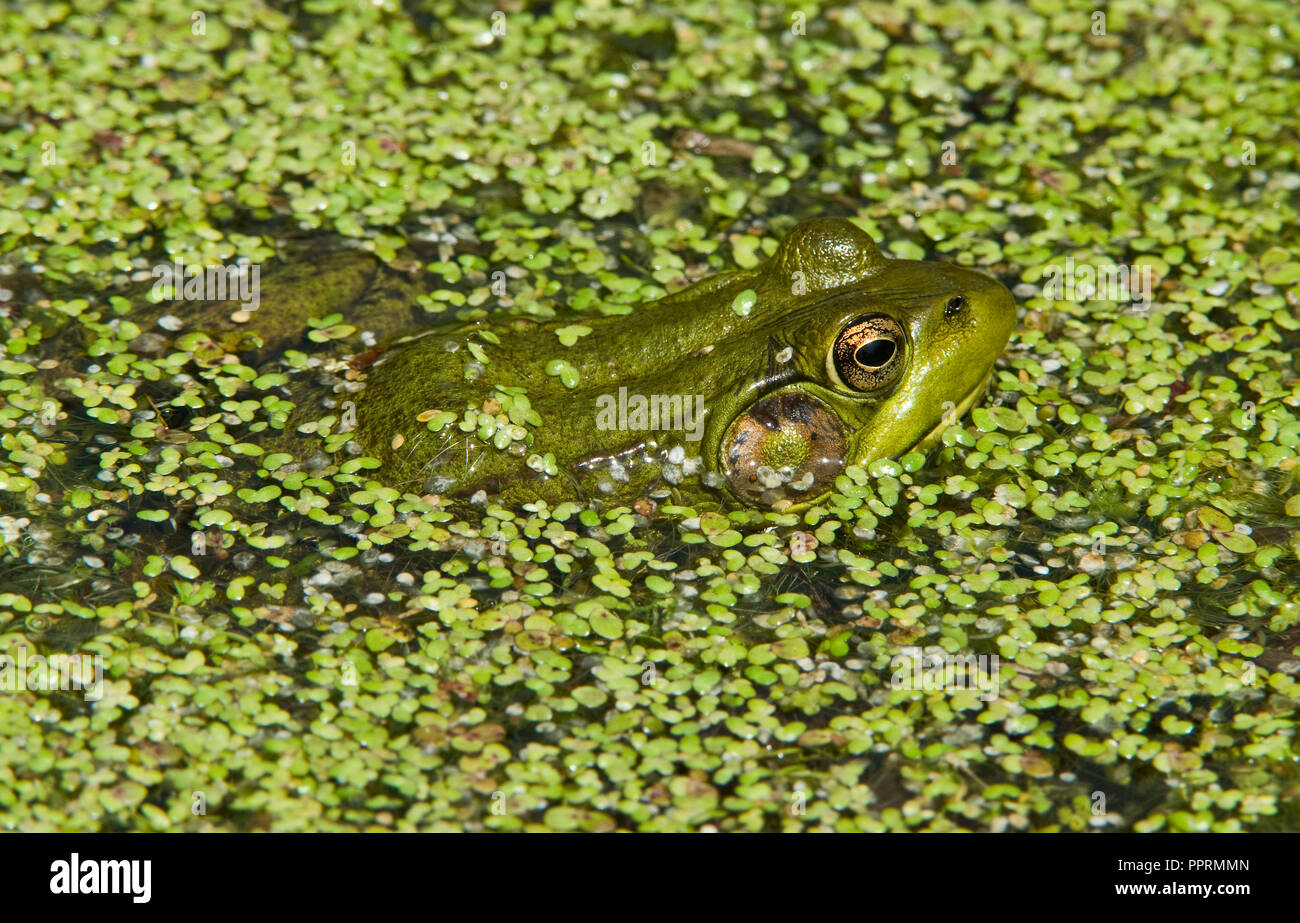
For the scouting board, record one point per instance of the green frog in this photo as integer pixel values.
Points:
(756, 386)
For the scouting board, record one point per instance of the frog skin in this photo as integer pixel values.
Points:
(832, 356)
(825, 356)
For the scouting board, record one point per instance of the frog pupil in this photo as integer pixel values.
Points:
(874, 353)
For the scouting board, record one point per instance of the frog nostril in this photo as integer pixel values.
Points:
(954, 305)
(874, 353)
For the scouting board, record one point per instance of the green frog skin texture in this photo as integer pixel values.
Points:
(833, 355)
(756, 387)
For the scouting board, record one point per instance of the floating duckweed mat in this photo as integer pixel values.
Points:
(288, 643)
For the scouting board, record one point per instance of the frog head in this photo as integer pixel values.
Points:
(847, 357)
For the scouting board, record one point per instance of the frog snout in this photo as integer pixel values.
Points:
(997, 309)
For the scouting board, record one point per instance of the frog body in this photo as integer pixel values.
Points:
(755, 387)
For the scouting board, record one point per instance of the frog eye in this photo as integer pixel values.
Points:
(787, 446)
(868, 353)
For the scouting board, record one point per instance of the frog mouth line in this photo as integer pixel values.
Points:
(966, 403)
